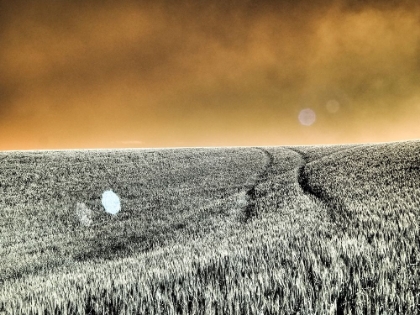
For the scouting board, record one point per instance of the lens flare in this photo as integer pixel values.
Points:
(307, 117)
(111, 202)
(332, 106)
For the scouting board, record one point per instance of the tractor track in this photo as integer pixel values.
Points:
(251, 209)
(316, 194)
(303, 179)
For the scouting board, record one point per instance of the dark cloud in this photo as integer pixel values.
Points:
(360, 5)
(152, 67)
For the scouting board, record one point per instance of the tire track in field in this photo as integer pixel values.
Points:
(310, 191)
(303, 179)
(251, 209)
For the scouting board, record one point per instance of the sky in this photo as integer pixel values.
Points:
(195, 73)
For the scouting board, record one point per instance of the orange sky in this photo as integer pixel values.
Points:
(114, 74)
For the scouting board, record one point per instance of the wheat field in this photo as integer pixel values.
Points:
(255, 230)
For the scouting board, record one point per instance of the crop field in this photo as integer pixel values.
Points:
(261, 230)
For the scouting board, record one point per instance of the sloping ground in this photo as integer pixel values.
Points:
(375, 201)
(165, 195)
(326, 230)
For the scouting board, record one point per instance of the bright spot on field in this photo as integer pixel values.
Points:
(84, 214)
(332, 106)
(111, 202)
(307, 117)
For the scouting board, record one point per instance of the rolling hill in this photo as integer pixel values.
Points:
(261, 230)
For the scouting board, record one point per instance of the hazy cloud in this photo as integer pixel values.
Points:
(233, 70)
(135, 142)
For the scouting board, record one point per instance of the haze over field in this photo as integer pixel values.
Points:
(96, 74)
